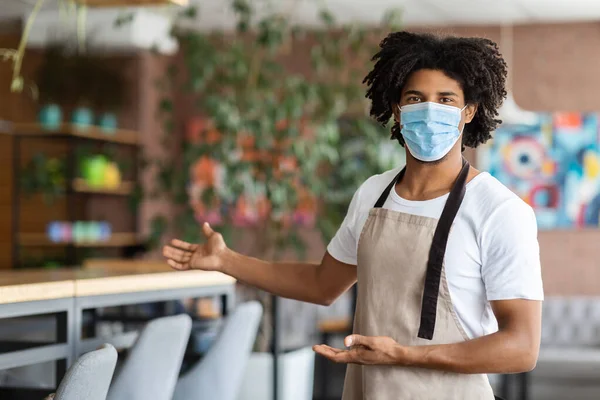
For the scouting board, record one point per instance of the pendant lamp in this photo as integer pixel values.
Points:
(510, 112)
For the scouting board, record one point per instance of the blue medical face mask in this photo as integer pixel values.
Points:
(430, 130)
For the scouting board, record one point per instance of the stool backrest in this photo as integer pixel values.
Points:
(89, 377)
(219, 375)
(151, 369)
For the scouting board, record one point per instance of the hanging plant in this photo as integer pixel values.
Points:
(16, 56)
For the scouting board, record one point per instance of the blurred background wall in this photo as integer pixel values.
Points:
(555, 67)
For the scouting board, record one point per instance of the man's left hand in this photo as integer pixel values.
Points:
(365, 350)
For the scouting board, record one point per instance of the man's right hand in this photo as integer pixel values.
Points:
(208, 256)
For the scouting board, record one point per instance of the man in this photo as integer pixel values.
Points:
(446, 257)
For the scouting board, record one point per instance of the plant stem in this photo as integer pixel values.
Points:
(18, 58)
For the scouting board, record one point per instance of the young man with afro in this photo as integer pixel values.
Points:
(446, 258)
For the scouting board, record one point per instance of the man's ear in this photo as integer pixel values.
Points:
(470, 112)
(396, 111)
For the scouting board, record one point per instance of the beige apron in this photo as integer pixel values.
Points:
(403, 294)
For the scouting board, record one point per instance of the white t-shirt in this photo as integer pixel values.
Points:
(492, 251)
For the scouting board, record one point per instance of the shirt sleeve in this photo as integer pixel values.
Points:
(343, 246)
(510, 253)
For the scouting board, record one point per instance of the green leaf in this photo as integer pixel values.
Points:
(166, 105)
(327, 17)
(158, 227)
(190, 12)
(123, 19)
(392, 19)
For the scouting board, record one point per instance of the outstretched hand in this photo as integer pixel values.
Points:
(184, 256)
(364, 350)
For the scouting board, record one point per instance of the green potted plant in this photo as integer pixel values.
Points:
(46, 176)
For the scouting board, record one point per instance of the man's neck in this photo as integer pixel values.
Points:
(425, 181)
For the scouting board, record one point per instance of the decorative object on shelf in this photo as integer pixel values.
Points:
(109, 97)
(82, 118)
(50, 116)
(91, 232)
(105, 231)
(60, 232)
(45, 175)
(52, 85)
(108, 123)
(94, 169)
(100, 173)
(112, 176)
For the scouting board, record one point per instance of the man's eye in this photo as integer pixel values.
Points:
(446, 100)
(414, 99)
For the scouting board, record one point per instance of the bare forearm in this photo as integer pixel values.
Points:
(500, 352)
(299, 281)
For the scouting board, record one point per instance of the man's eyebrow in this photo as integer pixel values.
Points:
(413, 92)
(447, 94)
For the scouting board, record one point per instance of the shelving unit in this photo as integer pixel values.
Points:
(41, 240)
(81, 186)
(120, 136)
(77, 191)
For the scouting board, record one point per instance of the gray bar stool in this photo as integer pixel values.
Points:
(152, 366)
(219, 375)
(89, 378)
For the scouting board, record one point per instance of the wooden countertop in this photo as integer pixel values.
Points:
(33, 285)
(100, 281)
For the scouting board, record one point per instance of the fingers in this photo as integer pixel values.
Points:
(180, 244)
(358, 340)
(335, 355)
(328, 348)
(207, 230)
(176, 254)
(326, 351)
(178, 266)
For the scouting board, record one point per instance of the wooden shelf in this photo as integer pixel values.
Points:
(121, 136)
(81, 186)
(41, 240)
(130, 3)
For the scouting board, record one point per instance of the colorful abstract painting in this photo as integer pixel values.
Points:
(554, 165)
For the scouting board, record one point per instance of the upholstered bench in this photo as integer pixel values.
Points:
(569, 362)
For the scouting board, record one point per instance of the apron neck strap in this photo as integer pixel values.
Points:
(385, 194)
(437, 252)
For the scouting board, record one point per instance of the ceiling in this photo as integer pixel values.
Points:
(216, 13)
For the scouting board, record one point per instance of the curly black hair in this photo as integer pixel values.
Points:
(475, 63)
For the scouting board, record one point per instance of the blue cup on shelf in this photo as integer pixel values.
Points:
(105, 231)
(108, 123)
(82, 118)
(54, 232)
(50, 117)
